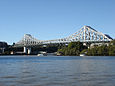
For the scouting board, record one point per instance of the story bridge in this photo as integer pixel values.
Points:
(86, 35)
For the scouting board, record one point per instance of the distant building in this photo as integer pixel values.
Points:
(3, 46)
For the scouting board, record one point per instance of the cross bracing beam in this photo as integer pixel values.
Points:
(85, 34)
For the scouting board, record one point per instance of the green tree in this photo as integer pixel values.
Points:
(73, 48)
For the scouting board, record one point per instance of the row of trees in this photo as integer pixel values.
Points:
(103, 50)
(76, 48)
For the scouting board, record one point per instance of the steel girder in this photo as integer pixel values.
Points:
(85, 34)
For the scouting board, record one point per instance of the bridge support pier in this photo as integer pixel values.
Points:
(25, 50)
(29, 50)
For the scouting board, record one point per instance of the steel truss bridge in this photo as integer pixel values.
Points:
(85, 34)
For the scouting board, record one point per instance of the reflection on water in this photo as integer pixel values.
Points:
(57, 71)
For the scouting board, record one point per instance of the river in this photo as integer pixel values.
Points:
(57, 71)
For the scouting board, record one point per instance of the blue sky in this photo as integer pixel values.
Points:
(51, 19)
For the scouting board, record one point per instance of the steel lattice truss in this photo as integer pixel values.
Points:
(85, 34)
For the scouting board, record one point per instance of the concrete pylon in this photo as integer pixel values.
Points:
(25, 50)
(29, 50)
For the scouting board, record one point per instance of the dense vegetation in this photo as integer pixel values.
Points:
(73, 49)
(76, 48)
(35, 49)
(47, 48)
(103, 50)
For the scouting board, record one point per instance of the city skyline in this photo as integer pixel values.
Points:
(51, 19)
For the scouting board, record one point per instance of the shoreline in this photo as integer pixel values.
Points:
(46, 56)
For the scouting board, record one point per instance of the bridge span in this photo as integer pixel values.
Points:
(86, 35)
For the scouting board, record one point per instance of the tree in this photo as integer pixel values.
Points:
(73, 48)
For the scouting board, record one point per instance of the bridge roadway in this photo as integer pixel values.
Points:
(86, 35)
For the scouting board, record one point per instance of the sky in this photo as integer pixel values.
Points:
(52, 19)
